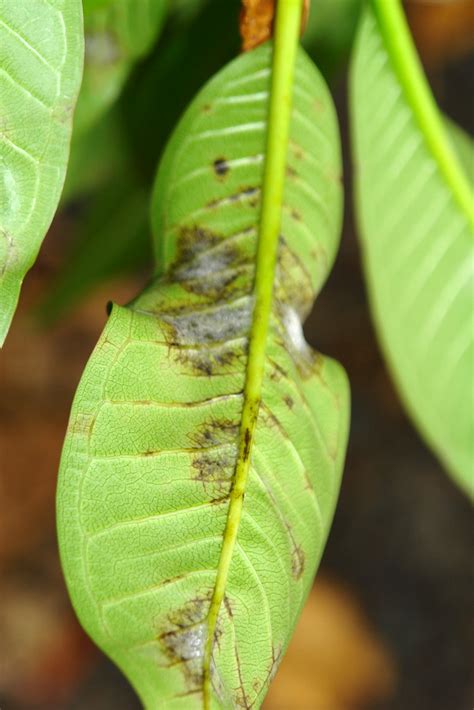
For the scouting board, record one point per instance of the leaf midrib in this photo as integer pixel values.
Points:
(283, 65)
(406, 63)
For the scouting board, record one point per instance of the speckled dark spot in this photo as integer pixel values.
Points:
(215, 470)
(193, 240)
(242, 193)
(215, 432)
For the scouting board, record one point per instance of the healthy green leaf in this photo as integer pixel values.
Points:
(463, 146)
(153, 442)
(41, 53)
(117, 34)
(415, 214)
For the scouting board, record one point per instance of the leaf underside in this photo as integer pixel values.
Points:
(41, 54)
(151, 447)
(418, 256)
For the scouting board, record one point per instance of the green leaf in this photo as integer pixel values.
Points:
(117, 34)
(40, 72)
(415, 215)
(463, 146)
(150, 459)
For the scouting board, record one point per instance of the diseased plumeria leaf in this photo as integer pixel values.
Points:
(152, 446)
(117, 34)
(41, 59)
(415, 218)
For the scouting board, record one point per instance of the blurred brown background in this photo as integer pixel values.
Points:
(389, 622)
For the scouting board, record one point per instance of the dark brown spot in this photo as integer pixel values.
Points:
(296, 215)
(228, 606)
(215, 470)
(207, 108)
(219, 501)
(277, 372)
(216, 432)
(193, 240)
(210, 362)
(288, 401)
(291, 172)
(221, 167)
(246, 450)
(243, 192)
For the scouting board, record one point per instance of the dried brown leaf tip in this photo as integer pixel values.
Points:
(256, 21)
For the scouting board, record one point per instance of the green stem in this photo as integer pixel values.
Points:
(285, 45)
(400, 46)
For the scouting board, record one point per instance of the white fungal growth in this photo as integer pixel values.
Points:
(190, 644)
(294, 331)
(221, 323)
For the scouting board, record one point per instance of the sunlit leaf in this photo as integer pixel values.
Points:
(41, 54)
(418, 245)
(152, 444)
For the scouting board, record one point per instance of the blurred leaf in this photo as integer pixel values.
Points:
(117, 33)
(415, 214)
(112, 239)
(96, 156)
(40, 72)
(212, 35)
(330, 32)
